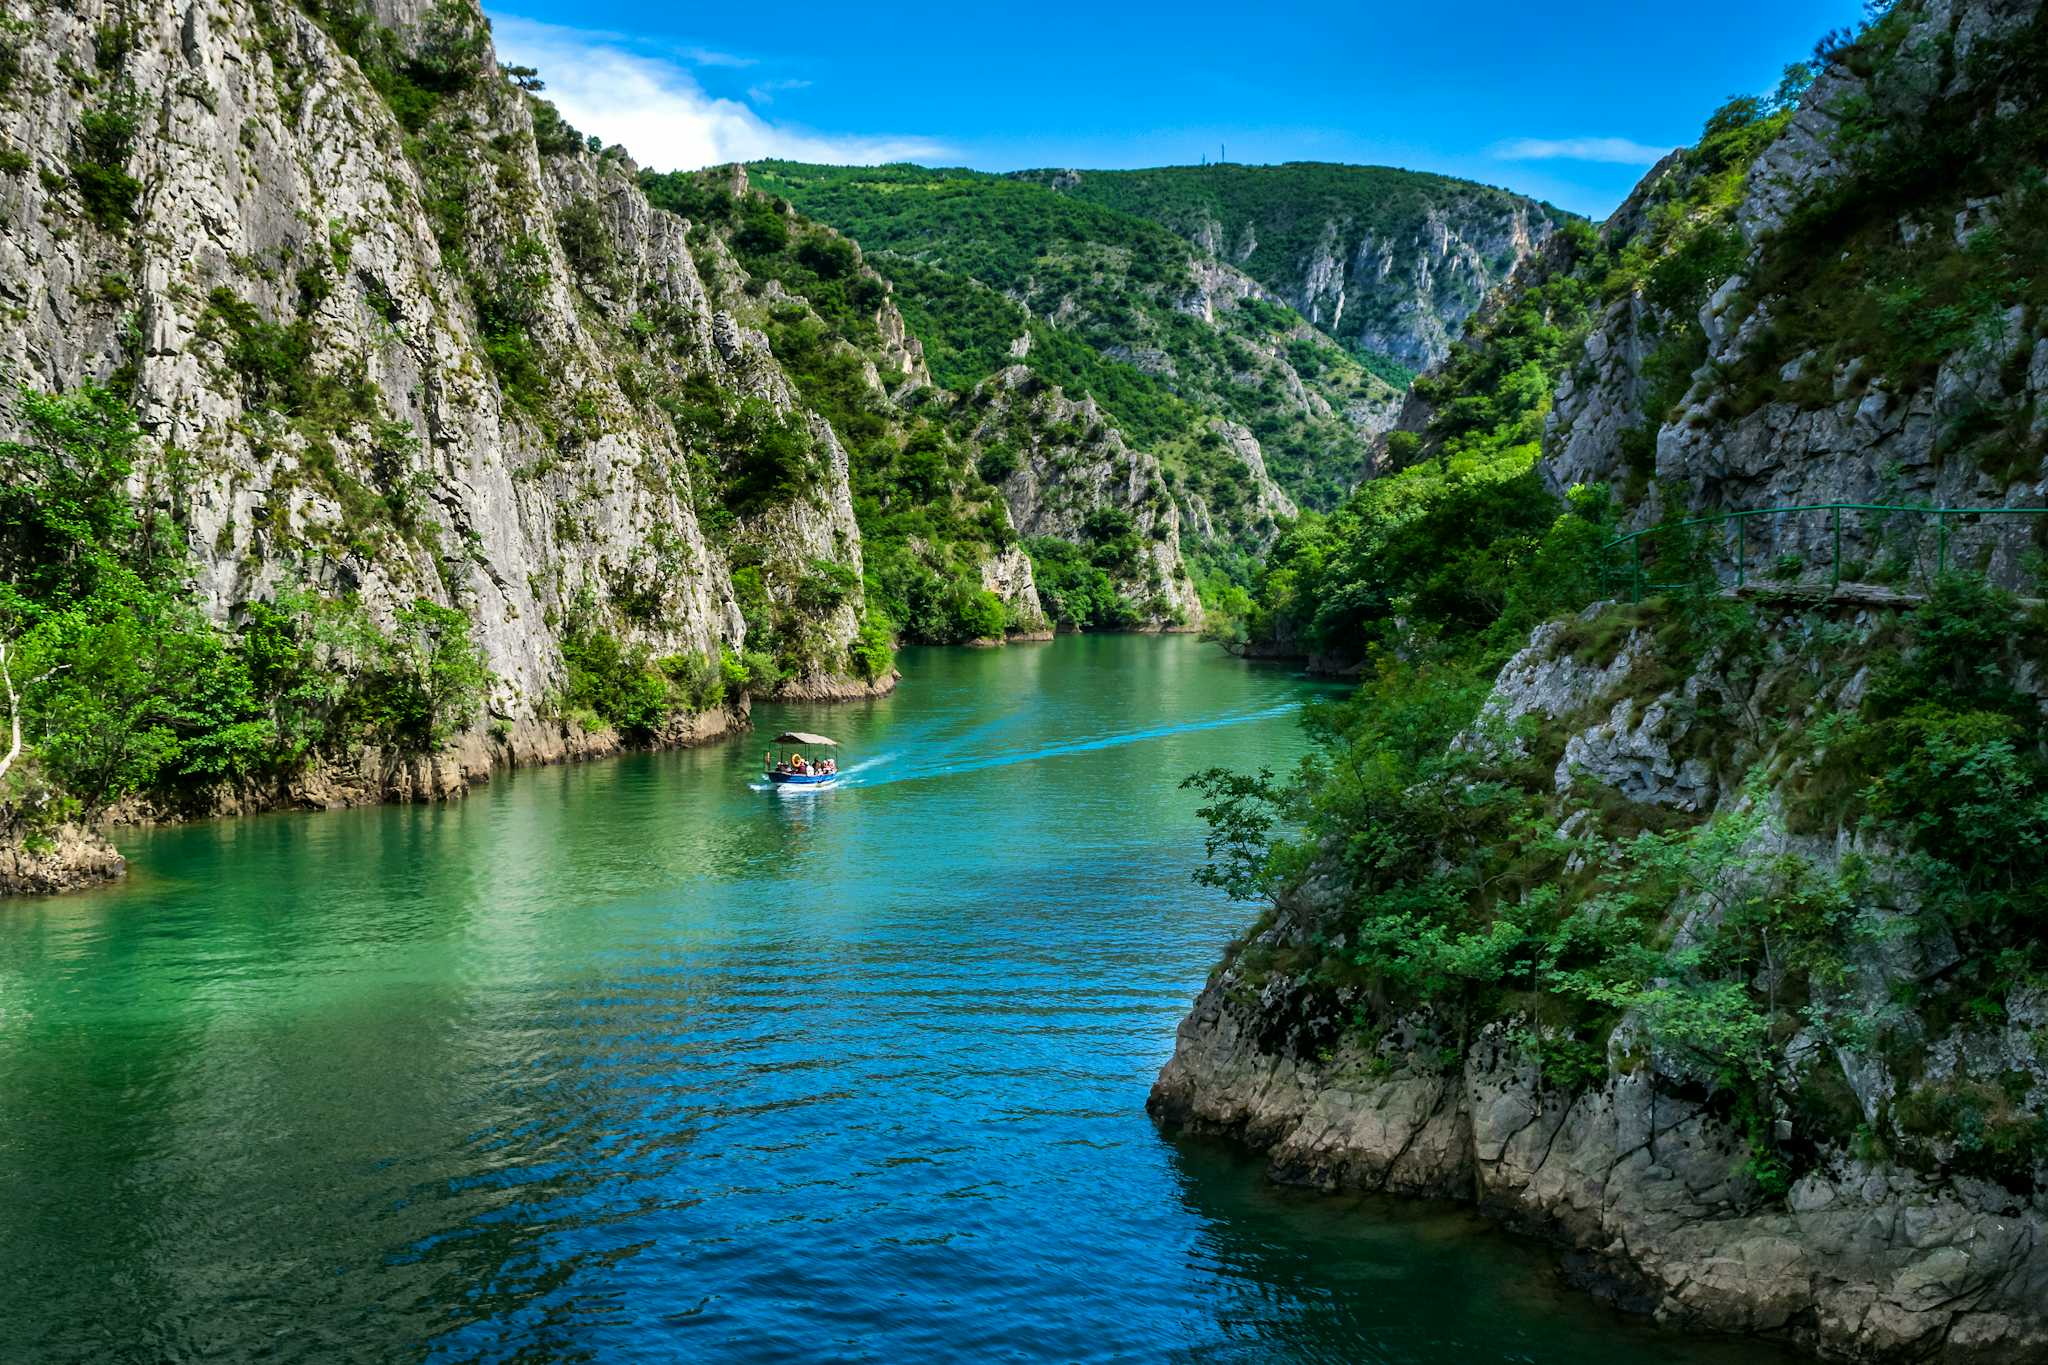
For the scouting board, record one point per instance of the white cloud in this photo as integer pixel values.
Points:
(662, 116)
(704, 56)
(1619, 150)
(766, 91)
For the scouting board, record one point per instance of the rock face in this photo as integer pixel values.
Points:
(1641, 1172)
(1862, 1260)
(1409, 291)
(1384, 260)
(1073, 465)
(1687, 396)
(66, 859)
(476, 324)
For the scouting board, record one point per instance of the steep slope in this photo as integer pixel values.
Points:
(992, 270)
(446, 454)
(1389, 262)
(942, 556)
(1073, 482)
(942, 490)
(1701, 933)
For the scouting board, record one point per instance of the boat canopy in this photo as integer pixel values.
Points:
(799, 737)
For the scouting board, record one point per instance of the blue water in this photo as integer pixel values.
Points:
(630, 1061)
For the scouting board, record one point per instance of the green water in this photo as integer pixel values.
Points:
(630, 1061)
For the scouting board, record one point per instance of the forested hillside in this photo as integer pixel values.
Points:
(1680, 897)
(991, 270)
(1389, 262)
(951, 507)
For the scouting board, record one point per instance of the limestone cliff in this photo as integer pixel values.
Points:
(277, 185)
(1387, 261)
(1833, 302)
(1075, 476)
(395, 335)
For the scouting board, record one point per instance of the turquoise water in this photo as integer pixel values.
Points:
(628, 1061)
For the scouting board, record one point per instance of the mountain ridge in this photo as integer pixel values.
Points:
(1405, 255)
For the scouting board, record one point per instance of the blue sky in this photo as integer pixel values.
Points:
(1568, 103)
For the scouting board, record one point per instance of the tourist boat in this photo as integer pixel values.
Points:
(785, 771)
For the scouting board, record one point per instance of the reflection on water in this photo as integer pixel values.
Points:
(627, 1061)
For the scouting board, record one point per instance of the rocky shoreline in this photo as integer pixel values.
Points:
(1639, 1182)
(77, 856)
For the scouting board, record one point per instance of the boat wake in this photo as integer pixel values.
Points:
(859, 774)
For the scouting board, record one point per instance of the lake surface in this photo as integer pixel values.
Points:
(628, 1061)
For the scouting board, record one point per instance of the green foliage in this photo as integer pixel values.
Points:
(872, 653)
(1075, 591)
(808, 259)
(269, 359)
(1995, 1135)
(611, 684)
(1947, 757)
(509, 302)
(134, 690)
(927, 524)
(1241, 813)
(745, 456)
(552, 134)
(586, 243)
(66, 520)
(99, 160)
(699, 197)
(429, 679)
(414, 72)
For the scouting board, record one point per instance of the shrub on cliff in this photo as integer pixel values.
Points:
(137, 691)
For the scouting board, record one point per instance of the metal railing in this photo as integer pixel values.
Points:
(1762, 552)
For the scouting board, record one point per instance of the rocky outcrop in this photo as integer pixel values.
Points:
(1862, 1260)
(1072, 464)
(67, 858)
(1254, 516)
(1007, 574)
(1643, 1174)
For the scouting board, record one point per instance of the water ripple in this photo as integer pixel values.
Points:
(628, 1062)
